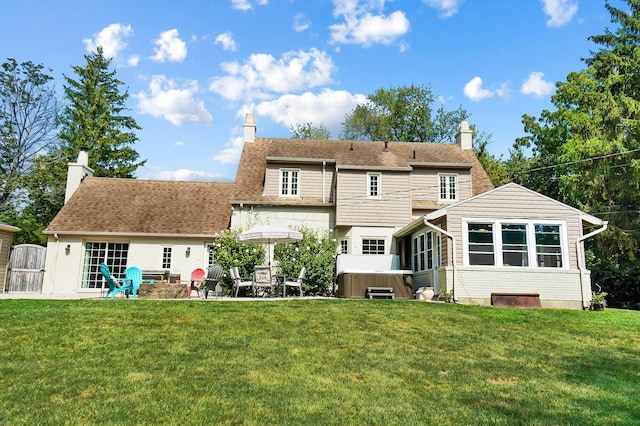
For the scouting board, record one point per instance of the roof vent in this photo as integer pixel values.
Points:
(414, 154)
(351, 149)
(386, 146)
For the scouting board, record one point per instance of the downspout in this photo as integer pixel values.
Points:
(453, 262)
(55, 265)
(582, 267)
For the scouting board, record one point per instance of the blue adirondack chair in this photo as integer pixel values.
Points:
(134, 276)
(125, 285)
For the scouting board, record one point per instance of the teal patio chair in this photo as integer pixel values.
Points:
(115, 285)
(134, 276)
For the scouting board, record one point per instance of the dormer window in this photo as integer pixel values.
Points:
(374, 185)
(289, 184)
(448, 187)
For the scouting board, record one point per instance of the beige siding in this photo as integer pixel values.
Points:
(515, 203)
(5, 247)
(425, 185)
(309, 180)
(354, 208)
(557, 288)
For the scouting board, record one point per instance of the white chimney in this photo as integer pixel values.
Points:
(464, 137)
(250, 128)
(77, 172)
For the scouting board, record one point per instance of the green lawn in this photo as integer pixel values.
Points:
(336, 362)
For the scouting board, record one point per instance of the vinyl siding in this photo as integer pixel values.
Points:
(309, 180)
(515, 203)
(557, 287)
(353, 207)
(425, 185)
(5, 247)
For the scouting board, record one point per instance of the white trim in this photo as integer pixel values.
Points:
(378, 195)
(531, 245)
(448, 186)
(289, 170)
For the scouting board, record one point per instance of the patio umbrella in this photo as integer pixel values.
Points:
(268, 234)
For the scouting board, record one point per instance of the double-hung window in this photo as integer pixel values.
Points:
(515, 243)
(374, 185)
(289, 182)
(448, 185)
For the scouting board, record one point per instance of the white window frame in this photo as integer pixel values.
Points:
(378, 193)
(167, 256)
(114, 254)
(377, 240)
(531, 242)
(344, 246)
(287, 191)
(450, 191)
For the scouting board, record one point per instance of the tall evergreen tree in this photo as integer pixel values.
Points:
(94, 118)
(587, 151)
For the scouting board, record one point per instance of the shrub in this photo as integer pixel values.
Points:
(316, 251)
(229, 253)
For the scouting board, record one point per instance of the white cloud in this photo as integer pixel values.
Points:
(227, 41)
(245, 5)
(170, 47)
(111, 38)
(328, 107)
(536, 86)
(300, 22)
(174, 105)
(232, 151)
(447, 8)
(133, 60)
(261, 75)
(559, 12)
(187, 175)
(365, 24)
(474, 91)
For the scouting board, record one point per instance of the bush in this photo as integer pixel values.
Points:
(229, 253)
(315, 251)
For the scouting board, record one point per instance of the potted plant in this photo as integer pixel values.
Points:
(598, 301)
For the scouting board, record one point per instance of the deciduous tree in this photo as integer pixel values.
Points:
(405, 114)
(28, 111)
(309, 131)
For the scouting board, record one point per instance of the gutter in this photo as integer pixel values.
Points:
(582, 267)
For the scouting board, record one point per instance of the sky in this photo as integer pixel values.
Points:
(194, 68)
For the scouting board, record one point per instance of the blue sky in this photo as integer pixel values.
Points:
(194, 68)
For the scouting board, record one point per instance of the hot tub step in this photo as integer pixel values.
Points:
(380, 293)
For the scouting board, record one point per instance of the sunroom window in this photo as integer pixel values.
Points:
(519, 244)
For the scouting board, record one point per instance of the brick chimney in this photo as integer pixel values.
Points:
(77, 172)
(464, 137)
(250, 128)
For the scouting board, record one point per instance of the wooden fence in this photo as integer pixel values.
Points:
(25, 272)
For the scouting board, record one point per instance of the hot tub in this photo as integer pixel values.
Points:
(354, 283)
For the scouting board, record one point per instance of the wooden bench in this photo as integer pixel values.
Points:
(159, 275)
(520, 300)
(380, 293)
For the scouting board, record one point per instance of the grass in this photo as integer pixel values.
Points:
(341, 362)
